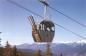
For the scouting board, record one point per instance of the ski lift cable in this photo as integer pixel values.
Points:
(82, 37)
(23, 7)
(43, 17)
(68, 17)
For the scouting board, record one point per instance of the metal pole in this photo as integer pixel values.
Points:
(45, 8)
(45, 11)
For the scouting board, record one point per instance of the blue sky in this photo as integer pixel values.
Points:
(16, 28)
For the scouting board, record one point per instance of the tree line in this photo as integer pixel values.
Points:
(8, 50)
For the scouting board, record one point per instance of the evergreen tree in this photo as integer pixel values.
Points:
(15, 53)
(38, 53)
(1, 51)
(7, 50)
(21, 53)
(48, 50)
(61, 54)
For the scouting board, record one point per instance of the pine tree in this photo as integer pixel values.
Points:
(19, 53)
(38, 53)
(61, 54)
(14, 51)
(7, 50)
(1, 51)
(48, 51)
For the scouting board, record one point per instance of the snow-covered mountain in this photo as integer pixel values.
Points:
(65, 48)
